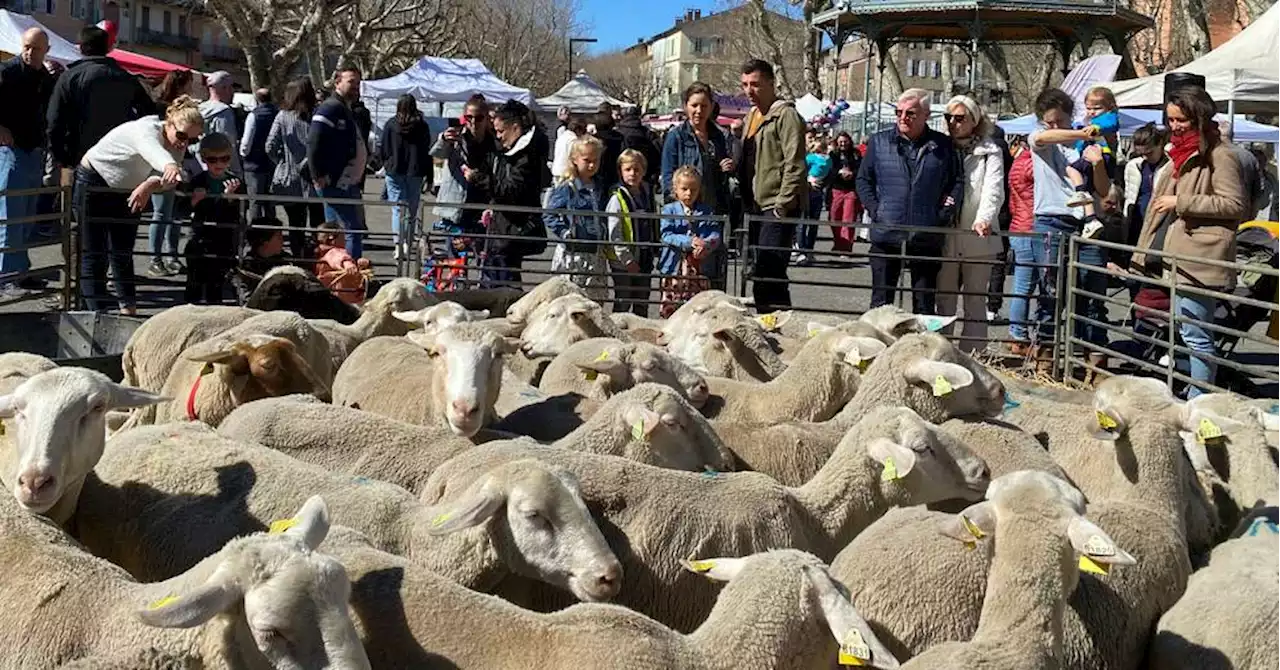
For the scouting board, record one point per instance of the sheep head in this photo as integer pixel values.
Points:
(1047, 503)
(657, 419)
(468, 374)
(557, 324)
(925, 463)
(248, 368)
(287, 598)
(720, 340)
(59, 431)
(896, 322)
(542, 527)
(621, 366)
(678, 322)
(932, 376)
(440, 315)
(521, 310)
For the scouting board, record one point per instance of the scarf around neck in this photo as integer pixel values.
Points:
(1181, 147)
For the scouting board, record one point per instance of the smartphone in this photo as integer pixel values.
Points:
(455, 122)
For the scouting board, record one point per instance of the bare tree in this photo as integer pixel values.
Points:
(626, 75)
(522, 41)
(764, 29)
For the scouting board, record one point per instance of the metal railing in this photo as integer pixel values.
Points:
(35, 227)
(1163, 348)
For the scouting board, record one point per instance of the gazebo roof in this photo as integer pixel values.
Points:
(1011, 21)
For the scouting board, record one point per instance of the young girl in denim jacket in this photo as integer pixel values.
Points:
(584, 264)
(686, 261)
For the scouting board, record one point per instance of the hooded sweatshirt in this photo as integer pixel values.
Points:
(220, 118)
(91, 98)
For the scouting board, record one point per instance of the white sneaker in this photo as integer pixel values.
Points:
(991, 316)
(1091, 229)
(1080, 199)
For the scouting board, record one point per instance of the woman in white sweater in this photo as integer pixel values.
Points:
(976, 248)
(143, 157)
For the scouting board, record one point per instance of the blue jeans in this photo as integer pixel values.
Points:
(807, 234)
(1197, 338)
(406, 189)
(350, 216)
(1096, 283)
(163, 228)
(1028, 251)
(18, 170)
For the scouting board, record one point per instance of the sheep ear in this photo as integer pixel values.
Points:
(1206, 425)
(191, 609)
(1267, 418)
(1093, 543)
(478, 314)
(858, 351)
(1196, 452)
(311, 523)
(128, 397)
(416, 318)
(896, 459)
(941, 376)
(719, 569)
(815, 328)
(9, 405)
(773, 321)
(608, 361)
(641, 421)
(1108, 424)
(423, 339)
(858, 643)
(975, 522)
(471, 509)
(212, 351)
(932, 323)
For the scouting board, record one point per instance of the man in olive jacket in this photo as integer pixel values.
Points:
(773, 165)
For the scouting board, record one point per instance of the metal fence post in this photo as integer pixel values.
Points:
(1059, 283)
(1173, 323)
(70, 266)
(1069, 319)
(744, 248)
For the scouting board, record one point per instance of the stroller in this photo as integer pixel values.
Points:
(445, 268)
(1257, 244)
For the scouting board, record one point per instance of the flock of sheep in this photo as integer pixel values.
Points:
(558, 487)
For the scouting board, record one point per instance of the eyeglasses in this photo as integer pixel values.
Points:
(954, 118)
(217, 160)
(905, 114)
(475, 117)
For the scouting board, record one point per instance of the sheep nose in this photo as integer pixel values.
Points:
(608, 582)
(33, 485)
(700, 392)
(463, 409)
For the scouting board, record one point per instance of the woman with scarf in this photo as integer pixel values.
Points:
(975, 249)
(845, 208)
(1196, 205)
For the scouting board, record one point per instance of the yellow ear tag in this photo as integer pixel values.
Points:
(281, 525)
(813, 333)
(1089, 565)
(1, 428)
(163, 602)
(700, 567)
(769, 321)
(207, 369)
(864, 364)
(1096, 546)
(972, 527)
(941, 387)
(590, 375)
(854, 650)
(1208, 431)
(440, 520)
(637, 431)
(890, 472)
(604, 356)
(1106, 422)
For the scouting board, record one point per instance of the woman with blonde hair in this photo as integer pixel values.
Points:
(145, 157)
(580, 255)
(973, 251)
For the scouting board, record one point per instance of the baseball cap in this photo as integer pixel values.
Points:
(218, 78)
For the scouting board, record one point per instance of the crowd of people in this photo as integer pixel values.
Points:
(621, 206)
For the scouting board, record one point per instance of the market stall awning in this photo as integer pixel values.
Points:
(581, 95)
(445, 80)
(147, 66)
(13, 24)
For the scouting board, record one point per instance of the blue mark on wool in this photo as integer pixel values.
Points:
(1260, 523)
(1009, 402)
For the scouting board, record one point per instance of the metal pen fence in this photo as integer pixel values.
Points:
(29, 228)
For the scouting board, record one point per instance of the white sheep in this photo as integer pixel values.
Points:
(600, 367)
(663, 516)
(779, 609)
(440, 315)
(18, 366)
(269, 353)
(1041, 536)
(698, 304)
(520, 311)
(266, 600)
(897, 322)
(55, 425)
(904, 375)
(933, 590)
(1227, 618)
(818, 383)
(722, 341)
(450, 378)
(154, 348)
(376, 318)
(171, 494)
(557, 324)
(1241, 461)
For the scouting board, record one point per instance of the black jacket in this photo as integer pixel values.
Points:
(93, 96)
(517, 177)
(406, 150)
(613, 146)
(32, 86)
(839, 160)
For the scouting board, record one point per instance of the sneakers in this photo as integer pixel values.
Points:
(12, 291)
(804, 261)
(1091, 229)
(174, 266)
(1080, 199)
(991, 316)
(157, 269)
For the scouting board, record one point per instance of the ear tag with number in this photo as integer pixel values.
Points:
(440, 520)
(1093, 567)
(700, 567)
(890, 472)
(1106, 422)
(972, 527)
(941, 387)
(590, 375)
(1096, 546)
(637, 431)
(854, 650)
(863, 364)
(281, 525)
(768, 321)
(1208, 431)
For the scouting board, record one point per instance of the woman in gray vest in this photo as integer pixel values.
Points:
(287, 148)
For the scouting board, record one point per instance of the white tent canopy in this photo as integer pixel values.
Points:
(12, 25)
(581, 95)
(1244, 71)
(810, 106)
(445, 80)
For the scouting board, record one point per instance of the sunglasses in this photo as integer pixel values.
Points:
(217, 160)
(955, 118)
(908, 114)
(184, 138)
(475, 117)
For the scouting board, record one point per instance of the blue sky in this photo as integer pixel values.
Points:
(618, 23)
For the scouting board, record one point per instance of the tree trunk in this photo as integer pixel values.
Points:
(812, 47)
(892, 78)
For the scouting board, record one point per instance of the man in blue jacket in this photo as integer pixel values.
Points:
(336, 156)
(910, 176)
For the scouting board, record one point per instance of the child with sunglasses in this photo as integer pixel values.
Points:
(215, 222)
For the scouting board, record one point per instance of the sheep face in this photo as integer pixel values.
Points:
(248, 369)
(557, 324)
(522, 310)
(659, 417)
(714, 338)
(288, 601)
(439, 316)
(627, 365)
(59, 431)
(930, 464)
(468, 377)
(941, 381)
(896, 322)
(699, 304)
(543, 531)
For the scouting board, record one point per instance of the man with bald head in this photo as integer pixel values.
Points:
(25, 84)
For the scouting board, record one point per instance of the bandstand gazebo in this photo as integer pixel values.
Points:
(1067, 24)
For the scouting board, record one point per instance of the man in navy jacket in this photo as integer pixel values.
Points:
(336, 155)
(910, 176)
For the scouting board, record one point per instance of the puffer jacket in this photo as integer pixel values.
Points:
(983, 198)
(892, 197)
(1211, 204)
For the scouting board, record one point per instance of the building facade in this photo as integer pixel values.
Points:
(938, 68)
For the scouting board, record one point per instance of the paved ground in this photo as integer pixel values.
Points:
(831, 285)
